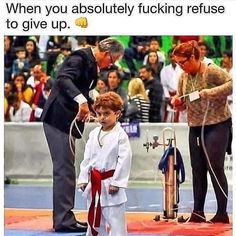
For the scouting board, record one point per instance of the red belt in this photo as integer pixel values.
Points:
(96, 183)
(172, 93)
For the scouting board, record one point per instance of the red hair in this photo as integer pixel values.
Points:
(187, 49)
(110, 100)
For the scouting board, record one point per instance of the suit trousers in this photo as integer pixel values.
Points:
(64, 177)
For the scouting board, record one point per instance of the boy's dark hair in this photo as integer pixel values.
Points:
(20, 49)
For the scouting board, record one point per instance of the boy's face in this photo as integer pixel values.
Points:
(154, 46)
(144, 74)
(107, 118)
(21, 55)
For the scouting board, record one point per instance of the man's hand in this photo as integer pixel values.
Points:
(113, 189)
(83, 114)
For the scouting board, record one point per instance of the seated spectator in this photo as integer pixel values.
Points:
(154, 46)
(7, 88)
(39, 94)
(138, 48)
(153, 62)
(21, 64)
(19, 110)
(203, 53)
(114, 80)
(9, 57)
(24, 91)
(42, 96)
(102, 85)
(137, 93)
(37, 73)
(7, 92)
(32, 53)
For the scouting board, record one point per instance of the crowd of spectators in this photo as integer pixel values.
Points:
(147, 74)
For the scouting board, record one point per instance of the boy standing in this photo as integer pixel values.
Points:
(105, 170)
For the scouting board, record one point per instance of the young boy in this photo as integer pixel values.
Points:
(21, 64)
(105, 170)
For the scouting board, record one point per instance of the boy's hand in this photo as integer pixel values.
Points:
(83, 186)
(113, 189)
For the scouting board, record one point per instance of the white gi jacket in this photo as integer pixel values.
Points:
(115, 154)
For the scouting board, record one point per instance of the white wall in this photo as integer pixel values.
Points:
(26, 153)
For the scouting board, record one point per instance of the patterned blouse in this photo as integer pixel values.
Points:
(200, 110)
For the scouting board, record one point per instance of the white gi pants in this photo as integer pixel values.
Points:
(113, 222)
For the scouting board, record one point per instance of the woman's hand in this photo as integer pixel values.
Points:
(177, 103)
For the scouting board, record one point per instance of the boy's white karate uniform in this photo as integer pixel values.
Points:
(115, 154)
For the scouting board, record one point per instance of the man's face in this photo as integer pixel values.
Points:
(144, 74)
(106, 60)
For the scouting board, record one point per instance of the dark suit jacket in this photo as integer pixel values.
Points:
(78, 74)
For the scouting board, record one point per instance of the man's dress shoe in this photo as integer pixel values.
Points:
(77, 227)
(82, 223)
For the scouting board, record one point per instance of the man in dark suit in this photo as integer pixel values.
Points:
(69, 100)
